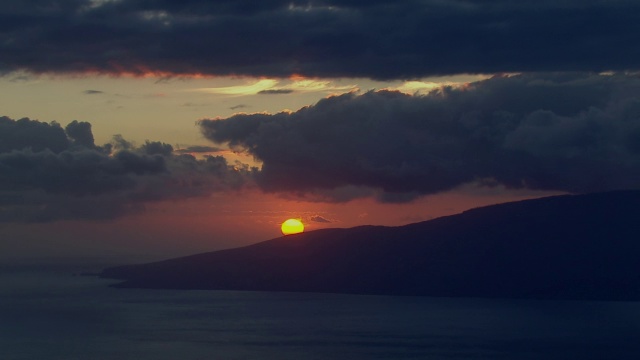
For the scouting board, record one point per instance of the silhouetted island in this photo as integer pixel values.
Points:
(561, 247)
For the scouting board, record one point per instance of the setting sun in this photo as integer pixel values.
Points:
(292, 226)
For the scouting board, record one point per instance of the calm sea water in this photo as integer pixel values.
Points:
(51, 314)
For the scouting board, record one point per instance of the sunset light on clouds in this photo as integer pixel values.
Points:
(332, 109)
(274, 87)
(319, 179)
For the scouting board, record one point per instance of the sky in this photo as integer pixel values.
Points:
(161, 128)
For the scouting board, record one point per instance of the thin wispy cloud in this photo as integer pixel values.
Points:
(92, 92)
(423, 87)
(239, 90)
(275, 91)
(319, 219)
(280, 87)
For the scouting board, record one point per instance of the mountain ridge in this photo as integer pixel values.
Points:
(559, 247)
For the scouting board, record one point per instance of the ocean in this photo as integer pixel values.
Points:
(53, 313)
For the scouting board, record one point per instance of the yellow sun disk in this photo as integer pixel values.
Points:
(292, 226)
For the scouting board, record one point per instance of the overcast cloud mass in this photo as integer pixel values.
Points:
(49, 173)
(563, 124)
(382, 39)
(566, 132)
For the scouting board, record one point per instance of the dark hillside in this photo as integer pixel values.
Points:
(568, 247)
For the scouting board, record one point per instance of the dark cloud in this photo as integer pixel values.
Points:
(326, 38)
(567, 132)
(275, 91)
(319, 219)
(156, 148)
(239, 106)
(118, 142)
(92, 92)
(27, 134)
(80, 133)
(79, 173)
(47, 174)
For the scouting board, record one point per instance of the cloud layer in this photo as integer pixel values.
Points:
(49, 173)
(380, 39)
(568, 132)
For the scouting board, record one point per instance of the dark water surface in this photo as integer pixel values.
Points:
(51, 314)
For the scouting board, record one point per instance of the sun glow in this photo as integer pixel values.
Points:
(292, 226)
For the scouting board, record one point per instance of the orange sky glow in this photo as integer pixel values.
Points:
(176, 228)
